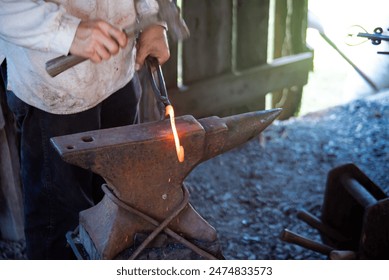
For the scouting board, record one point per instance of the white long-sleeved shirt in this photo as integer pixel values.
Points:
(35, 31)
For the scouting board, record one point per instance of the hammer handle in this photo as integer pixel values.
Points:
(62, 63)
(316, 223)
(59, 64)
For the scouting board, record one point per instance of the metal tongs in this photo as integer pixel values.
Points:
(376, 38)
(159, 87)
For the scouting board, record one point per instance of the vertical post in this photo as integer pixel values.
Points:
(252, 33)
(11, 207)
(252, 25)
(207, 52)
(289, 38)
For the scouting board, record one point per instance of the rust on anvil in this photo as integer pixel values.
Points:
(139, 163)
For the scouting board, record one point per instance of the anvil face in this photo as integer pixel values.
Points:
(137, 156)
(140, 165)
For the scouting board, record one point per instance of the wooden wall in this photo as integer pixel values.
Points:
(222, 68)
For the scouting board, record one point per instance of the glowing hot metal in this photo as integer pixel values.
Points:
(179, 148)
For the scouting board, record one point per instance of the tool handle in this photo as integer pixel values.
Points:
(343, 255)
(292, 237)
(60, 64)
(323, 228)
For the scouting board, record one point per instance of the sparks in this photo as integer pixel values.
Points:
(179, 148)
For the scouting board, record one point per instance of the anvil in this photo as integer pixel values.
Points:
(141, 169)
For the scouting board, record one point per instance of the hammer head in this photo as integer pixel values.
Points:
(169, 13)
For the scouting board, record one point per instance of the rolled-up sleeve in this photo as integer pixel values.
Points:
(38, 25)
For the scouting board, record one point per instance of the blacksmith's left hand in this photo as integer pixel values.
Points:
(152, 42)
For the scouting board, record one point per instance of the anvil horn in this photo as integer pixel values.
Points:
(139, 164)
(238, 129)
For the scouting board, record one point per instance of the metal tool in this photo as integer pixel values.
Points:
(314, 22)
(375, 38)
(168, 12)
(159, 87)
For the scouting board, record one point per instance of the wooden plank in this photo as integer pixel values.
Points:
(215, 95)
(290, 27)
(207, 52)
(298, 26)
(11, 207)
(252, 33)
(2, 120)
(281, 13)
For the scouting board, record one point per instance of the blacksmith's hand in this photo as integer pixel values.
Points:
(152, 42)
(97, 40)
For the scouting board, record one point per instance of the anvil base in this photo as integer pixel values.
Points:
(162, 248)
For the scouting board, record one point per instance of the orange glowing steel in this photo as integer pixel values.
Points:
(179, 149)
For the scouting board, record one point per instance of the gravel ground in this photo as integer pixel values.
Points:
(253, 192)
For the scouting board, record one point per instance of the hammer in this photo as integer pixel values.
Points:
(168, 12)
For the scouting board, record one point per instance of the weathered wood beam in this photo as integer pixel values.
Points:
(215, 95)
(11, 207)
(251, 33)
(207, 52)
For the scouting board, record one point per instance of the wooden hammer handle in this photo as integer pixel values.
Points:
(59, 64)
(168, 12)
(62, 63)
(291, 237)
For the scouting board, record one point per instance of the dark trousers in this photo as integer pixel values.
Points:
(54, 192)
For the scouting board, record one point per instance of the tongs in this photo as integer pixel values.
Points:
(375, 38)
(159, 87)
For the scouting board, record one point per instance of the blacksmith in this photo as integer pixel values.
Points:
(101, 92)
